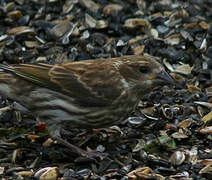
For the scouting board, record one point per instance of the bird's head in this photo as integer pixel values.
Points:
(143, 73)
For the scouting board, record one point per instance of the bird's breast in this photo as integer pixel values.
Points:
(56, 108)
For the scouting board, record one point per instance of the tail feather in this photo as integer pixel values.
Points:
(6, 79)
(5, 68)
(5, 73)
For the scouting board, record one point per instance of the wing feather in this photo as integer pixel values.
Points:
(88, 85)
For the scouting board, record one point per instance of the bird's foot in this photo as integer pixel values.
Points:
(96, 131)
(88, 154)
(93, 154)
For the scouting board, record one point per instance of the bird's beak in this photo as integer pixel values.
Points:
(165, 78)
(162, 78)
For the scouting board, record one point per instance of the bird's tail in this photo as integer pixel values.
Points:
(5, 73)
(6, 68)
(6, 80)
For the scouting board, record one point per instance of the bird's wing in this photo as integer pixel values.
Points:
(89, 87)
(91, 84)
(36, 73)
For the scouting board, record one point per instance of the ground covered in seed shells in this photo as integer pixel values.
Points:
(169, 136)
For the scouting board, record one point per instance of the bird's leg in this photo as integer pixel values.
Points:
(55, 134)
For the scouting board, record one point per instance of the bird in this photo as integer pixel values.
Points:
(87, 94)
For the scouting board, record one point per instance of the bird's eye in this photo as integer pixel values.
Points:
(143, 69)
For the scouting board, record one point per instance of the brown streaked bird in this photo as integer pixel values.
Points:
(85, 94)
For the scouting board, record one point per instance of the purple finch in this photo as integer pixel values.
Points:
(85, 94)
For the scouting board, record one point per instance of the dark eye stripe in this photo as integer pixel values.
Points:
(143, 69)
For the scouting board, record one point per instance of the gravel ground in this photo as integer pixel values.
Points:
(169, 136)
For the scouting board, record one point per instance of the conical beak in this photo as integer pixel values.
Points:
(165, 78)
